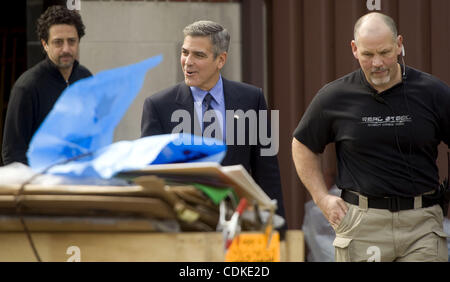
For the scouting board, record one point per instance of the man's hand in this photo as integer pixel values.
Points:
(309, 169)
(334, 209)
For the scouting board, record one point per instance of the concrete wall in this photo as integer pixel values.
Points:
(122, 33)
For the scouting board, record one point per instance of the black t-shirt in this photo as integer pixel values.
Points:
(386, 145)
(32, 98)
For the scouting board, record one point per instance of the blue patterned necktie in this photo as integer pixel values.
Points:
(206, 106)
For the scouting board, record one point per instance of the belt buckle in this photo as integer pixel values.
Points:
(394, 204)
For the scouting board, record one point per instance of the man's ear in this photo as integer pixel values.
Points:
(222, 60)
(399, 45)
(354, 49)
(44, 44)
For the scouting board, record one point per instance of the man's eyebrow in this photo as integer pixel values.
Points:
(199, 52)
(64, 38)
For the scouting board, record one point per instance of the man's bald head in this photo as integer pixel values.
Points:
(377, 46)
(374, 23)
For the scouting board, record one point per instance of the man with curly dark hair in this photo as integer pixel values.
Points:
(36, 90)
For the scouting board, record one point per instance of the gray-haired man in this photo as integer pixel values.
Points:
(203, 54)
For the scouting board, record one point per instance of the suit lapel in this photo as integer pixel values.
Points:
(231, 98)
(232, 104)
(185, 101)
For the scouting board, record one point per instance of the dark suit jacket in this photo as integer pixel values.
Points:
(156, 119)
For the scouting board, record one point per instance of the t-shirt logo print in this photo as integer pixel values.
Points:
(376, 121)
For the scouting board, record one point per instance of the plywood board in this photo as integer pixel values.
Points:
(129, 246)
(87, 205)
(209, 173)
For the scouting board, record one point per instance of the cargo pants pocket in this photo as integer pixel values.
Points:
(341, 251)
(442, 248)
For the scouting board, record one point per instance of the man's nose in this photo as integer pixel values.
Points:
(377, 61)
(188, 61)
(66, 46)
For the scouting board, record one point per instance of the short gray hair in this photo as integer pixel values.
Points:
(386, 19)
(219, 36)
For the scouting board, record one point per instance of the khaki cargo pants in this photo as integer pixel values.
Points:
(381, 235)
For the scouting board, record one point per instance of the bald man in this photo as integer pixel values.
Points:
(386, 120)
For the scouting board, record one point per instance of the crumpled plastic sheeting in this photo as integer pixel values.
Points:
(130, 155)
(85, 115)
(18, 173)
(15, 173)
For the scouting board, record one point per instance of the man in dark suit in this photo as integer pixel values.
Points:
(203, 55)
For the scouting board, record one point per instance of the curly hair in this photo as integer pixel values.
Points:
(58, 15)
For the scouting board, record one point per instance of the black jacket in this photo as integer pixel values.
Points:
(32, 98)
(156, 119)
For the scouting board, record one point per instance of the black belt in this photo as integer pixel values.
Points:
(393, 204)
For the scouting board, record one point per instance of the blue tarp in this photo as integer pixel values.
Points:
(83, 121)
(130, 155)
